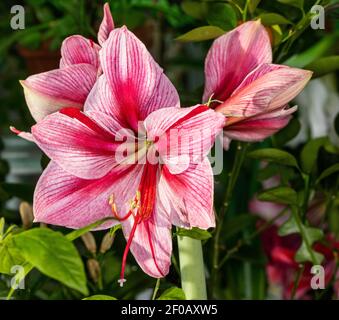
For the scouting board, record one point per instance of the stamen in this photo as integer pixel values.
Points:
(128, 245)
(121, 282)
(115, 212)
(144, 202)
(210, 100)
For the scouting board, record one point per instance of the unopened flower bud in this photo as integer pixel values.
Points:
(89, 242)
(93, 269)
(106, 242)
(26, 213)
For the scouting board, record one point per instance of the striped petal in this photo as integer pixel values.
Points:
(50, 91)
(77, 143)
(234, 55)
(106, 26)
(265, 89)
(152, 243)
(63, 199)
(189, 196)
(259, 127)
(102, 99)
(77, 49)
(183, 136)
(136, 81)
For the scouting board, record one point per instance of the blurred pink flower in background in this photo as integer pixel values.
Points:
(246, 87)
(282, 270)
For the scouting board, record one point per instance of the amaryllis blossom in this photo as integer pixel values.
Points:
(69, 85)
(246, 87)
(117, 158)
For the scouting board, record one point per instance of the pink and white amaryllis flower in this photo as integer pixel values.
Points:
(103, 159)
(69, 85)
(246, 87)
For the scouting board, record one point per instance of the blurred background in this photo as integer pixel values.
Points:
(162, 25)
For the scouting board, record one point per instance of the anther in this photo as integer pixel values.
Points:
(121, 282)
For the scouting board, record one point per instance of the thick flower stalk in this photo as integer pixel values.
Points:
(132, 154)
(69, 85)
(246, 87)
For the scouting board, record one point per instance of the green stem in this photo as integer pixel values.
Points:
(296, 216)
(156, 289)
(192, 268)
(306, 196)
(239, 158)
(297, 280)
(244, 14)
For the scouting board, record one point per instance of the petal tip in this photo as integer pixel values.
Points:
(23, 83)
(14, 130)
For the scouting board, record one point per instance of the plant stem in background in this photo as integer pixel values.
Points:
(233, 176)
(297, 219)
(297, 280)
(252, 236)
(306, 196)
(192, 268)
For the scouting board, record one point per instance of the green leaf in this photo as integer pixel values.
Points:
(277, 34)
(100, 297)
(194, 233)
(222, 15)
(201, 34)
(289, 227)
(269, 19)
(329, 171)
(304, 255)
(252, 5)
(79, 232)
(323, 66)
(173, 293)
(274, 155)
(197, 10)
(53, 255)
(288, 133)
(9, 255)
(309, 236)
(309, 153)
(295, 3)
(283, 195)
(2, 227)
(315, 52)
